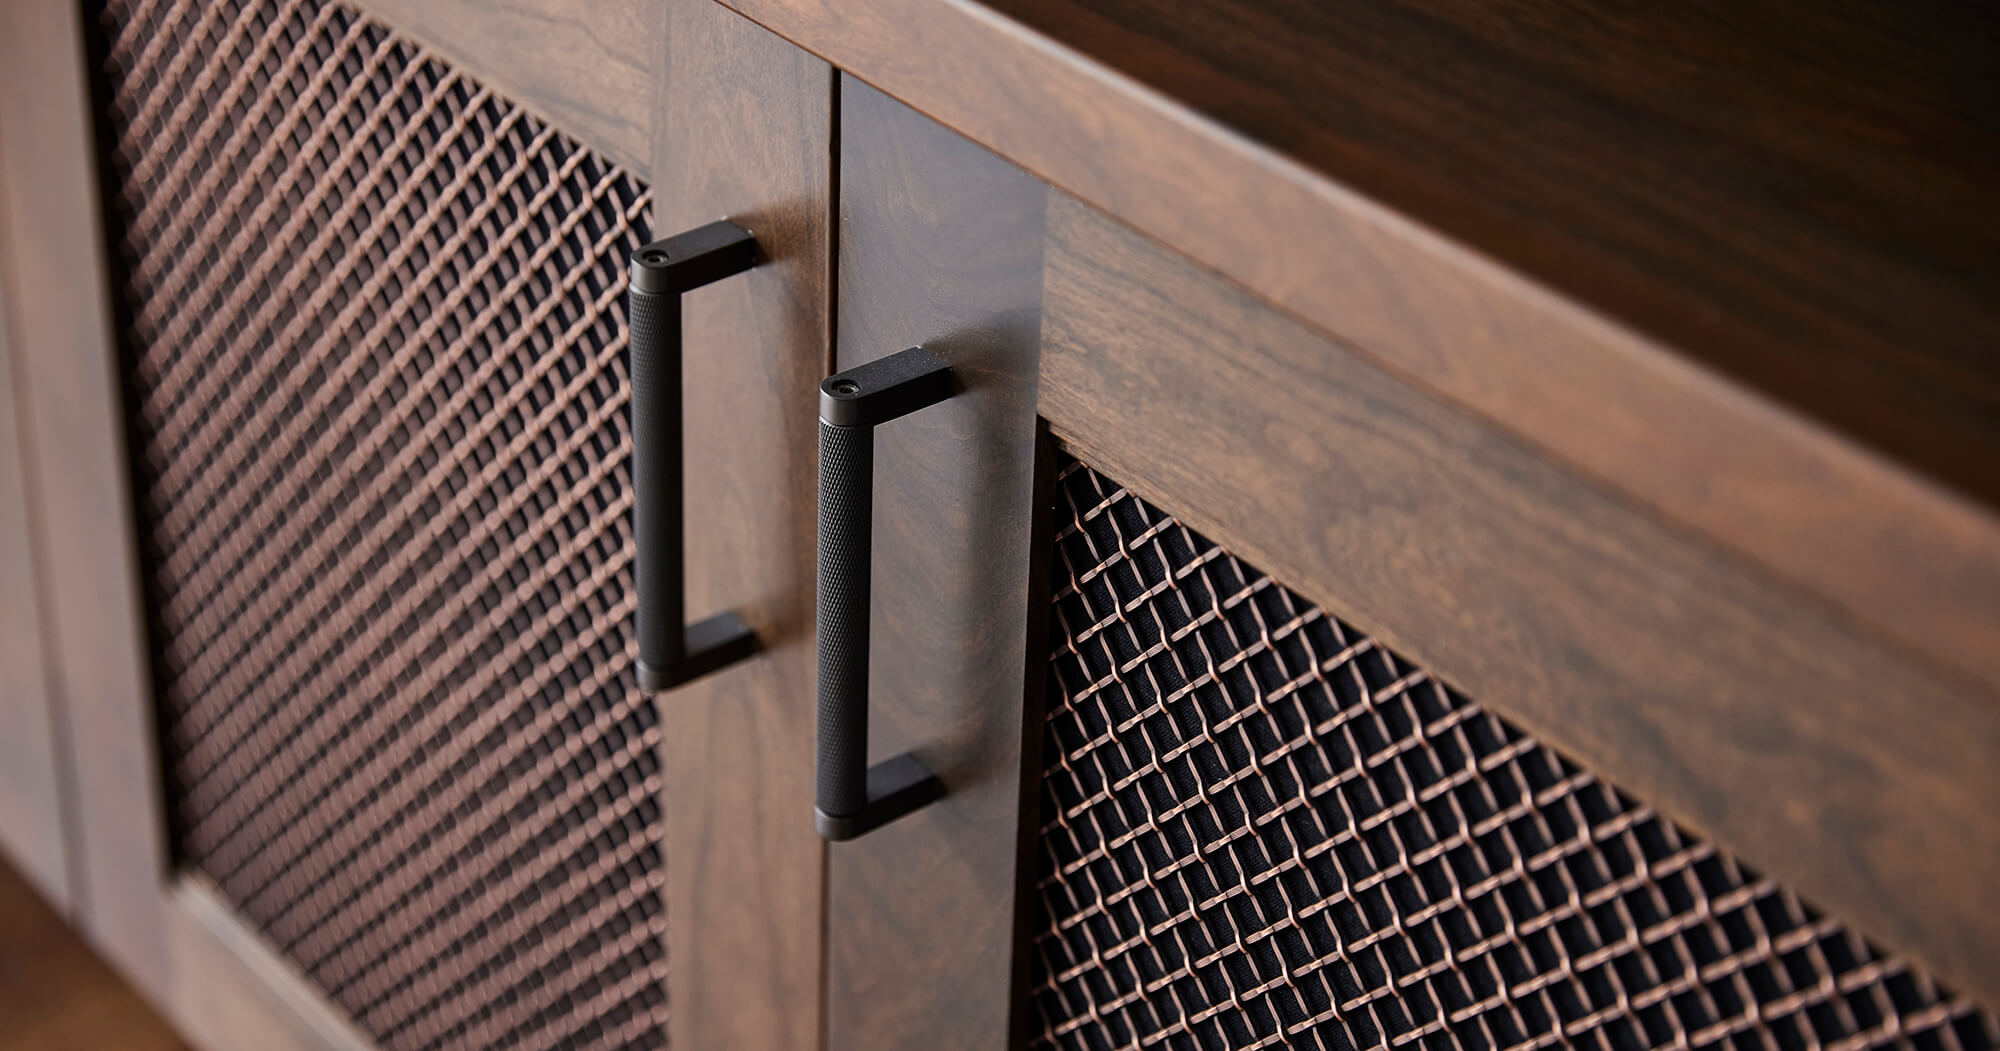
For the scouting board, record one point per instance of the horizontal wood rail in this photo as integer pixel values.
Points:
(586, 67)
(1840, 764)
(1705, 360)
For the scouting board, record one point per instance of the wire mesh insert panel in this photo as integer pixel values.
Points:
(375, 363)
(1260, 829)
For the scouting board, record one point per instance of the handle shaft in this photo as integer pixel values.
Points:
(656, 479)
(671, 651)
(846, 519)
(850, 796)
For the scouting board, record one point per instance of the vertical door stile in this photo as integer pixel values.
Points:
(743, 123)
(941, 247)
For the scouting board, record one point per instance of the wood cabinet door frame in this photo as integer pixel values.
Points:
(779, 941)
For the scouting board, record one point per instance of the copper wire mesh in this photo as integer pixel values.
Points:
(1260, 829)
(375, 359)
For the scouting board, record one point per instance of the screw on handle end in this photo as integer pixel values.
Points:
(884, 389)
(690, 260)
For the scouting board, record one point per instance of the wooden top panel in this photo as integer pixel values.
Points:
(1804, 196)
(1724, 263)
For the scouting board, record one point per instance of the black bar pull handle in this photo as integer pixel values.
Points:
(671, 651)
(853, 797)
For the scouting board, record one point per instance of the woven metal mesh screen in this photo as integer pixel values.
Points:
(1260, 829)
(375, 361)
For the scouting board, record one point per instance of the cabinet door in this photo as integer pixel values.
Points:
(941, 246)
(1278, 702)
(326, 349)
(744, 126)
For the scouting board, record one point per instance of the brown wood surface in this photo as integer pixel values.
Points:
(1859, 774)
(55, 994)
(940, 246)
(586, 65)
(745, 121)
(174, 941)
(1805, 195)
(1606, 232)
(33, 753)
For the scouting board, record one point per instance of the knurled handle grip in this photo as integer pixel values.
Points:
(657, 529)
(672, 651)
(846, 495)
(851, 797)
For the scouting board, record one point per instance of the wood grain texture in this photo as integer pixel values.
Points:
(585, 65)
(174, 942)
(1803, 195)
(1820, 754)
(33, 753)
(1684, 253)
(940, 246)
(745, 125)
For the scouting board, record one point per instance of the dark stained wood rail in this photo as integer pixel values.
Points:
(744, 121)
(586, 67)
(1733, 261)
(1804, 196)
(1849, 769)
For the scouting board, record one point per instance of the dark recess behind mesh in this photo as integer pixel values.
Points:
(375, 362)
(1260, 829)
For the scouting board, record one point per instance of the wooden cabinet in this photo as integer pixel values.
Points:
(1443, 549)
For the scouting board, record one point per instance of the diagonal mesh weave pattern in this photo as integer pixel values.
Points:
(1260, 829)
(375, 358)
